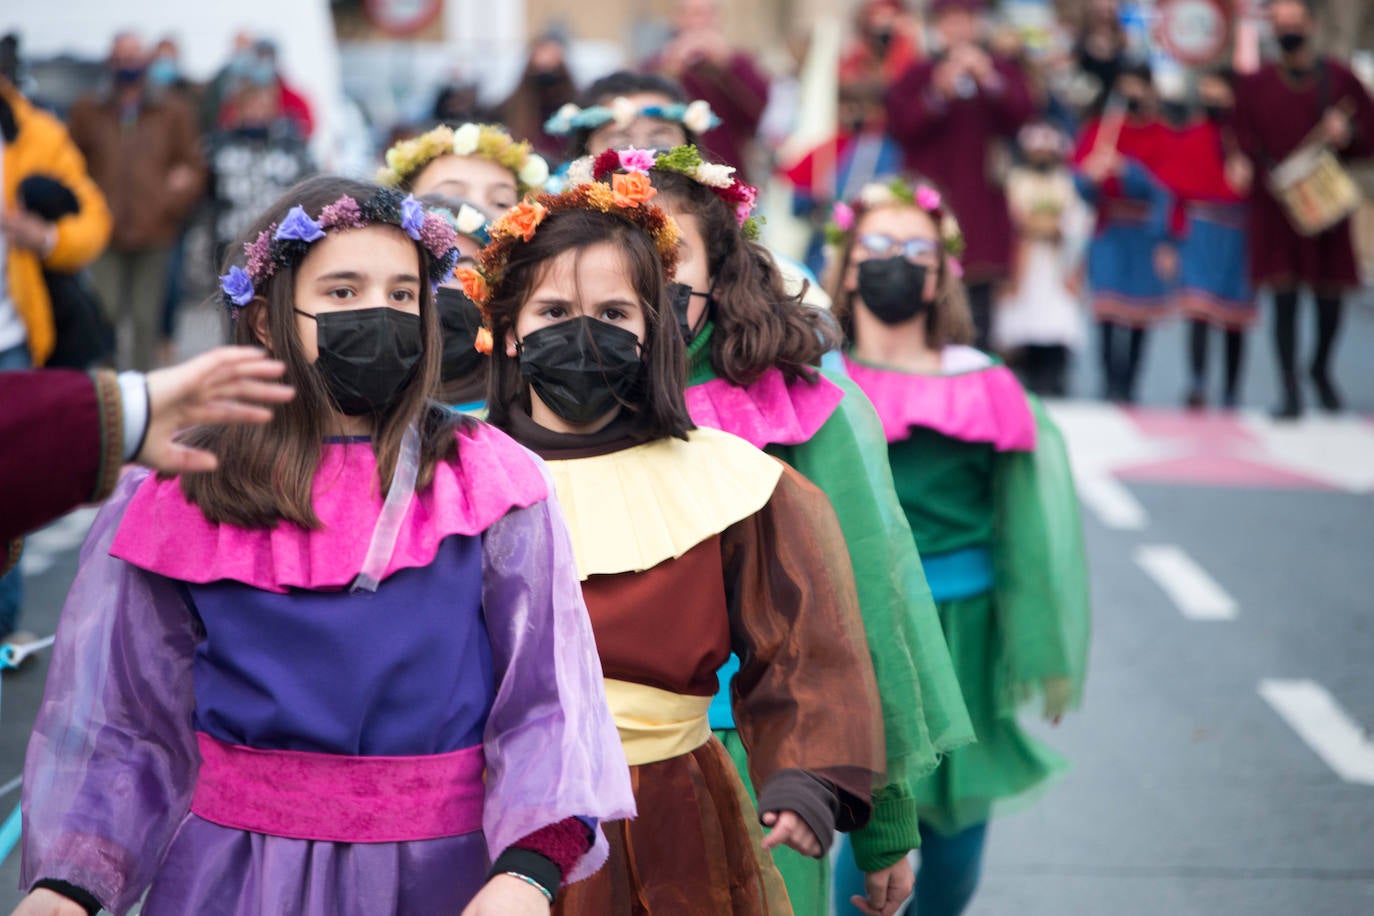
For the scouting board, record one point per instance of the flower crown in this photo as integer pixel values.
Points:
(284, 244)
(489, 141)
(695, 116)
(627, 197)
(683, 160)
(469, 221)
(896, 192)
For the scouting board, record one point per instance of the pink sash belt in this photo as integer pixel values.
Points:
(307, 796)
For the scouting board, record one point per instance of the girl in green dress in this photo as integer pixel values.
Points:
(984, 481)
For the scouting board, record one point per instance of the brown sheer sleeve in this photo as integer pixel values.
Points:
(805, 697)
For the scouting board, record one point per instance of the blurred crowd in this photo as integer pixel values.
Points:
(1081, 194)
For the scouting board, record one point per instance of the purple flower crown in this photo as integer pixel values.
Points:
(284, 244)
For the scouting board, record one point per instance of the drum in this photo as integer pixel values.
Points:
(1315, 190)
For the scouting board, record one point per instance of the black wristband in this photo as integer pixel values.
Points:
(78, 895)
(532, 865)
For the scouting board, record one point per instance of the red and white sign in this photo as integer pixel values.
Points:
(1194, 32)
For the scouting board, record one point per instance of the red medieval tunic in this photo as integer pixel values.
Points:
(949, 142)
(1274, 114)
(63, 442)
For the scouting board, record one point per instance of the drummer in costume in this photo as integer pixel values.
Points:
(1132, 260)
(752, 353)
(691, 544)
(982, 475)
(1301, 98)
(1214, 259)
(472, 173)
(346, 670)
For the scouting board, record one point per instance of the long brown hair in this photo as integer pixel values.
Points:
(757, 324)
(662, 408)
(948, 321)
(265, 472)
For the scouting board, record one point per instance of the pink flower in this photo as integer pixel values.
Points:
(258, 253)
(343, 213)
(843, 216)
(636, 160)
(928, 198)
(956, 268)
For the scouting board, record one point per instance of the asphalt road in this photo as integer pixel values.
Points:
(1222, 761)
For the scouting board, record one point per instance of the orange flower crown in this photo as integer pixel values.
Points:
(627, 197)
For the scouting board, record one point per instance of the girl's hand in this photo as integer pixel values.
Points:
(887, 889)
(44, 902)
(503, 895)
(789, 829)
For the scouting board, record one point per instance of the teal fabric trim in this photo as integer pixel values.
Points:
(960, 573)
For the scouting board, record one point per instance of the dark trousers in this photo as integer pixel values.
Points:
(1330, 311)
(980, 296)
(1199, 337)
(1123, 349)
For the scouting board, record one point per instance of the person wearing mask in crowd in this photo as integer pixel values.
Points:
(143, 150)
(1100, 48)
(1132, 259)
(225, 80)
(35, 146)
(457, 102)
(588, 371)
(1302, 97)
(67, 433)
(464, 369)
(983, 476)
(1039, 320)
(545, 86)
(1214, 260)
(259, 66)
(860, 152)
(349, 671)
(955, 115)
(700, 57)
(884, 44)
(253, 160)
(752, 360)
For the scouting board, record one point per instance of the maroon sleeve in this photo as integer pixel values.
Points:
(1356, 97)
(63, 435)
(563, 843)
(737, 91)
(1012, 105)
(914, 106)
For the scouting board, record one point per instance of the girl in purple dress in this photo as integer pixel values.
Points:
(348, 672)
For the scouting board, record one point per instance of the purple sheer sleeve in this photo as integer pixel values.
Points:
(552, 747)
(112, 761)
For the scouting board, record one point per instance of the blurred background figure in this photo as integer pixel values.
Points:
(1039, 321)
(1214, 280)
(53, 222)
(955, 116)
(1132, 261)
(143, 150)
(1301, 99)
(1100, 47)
(257, 66)
(545, 86)
(701, 58)
(457, 102)
(886, 41)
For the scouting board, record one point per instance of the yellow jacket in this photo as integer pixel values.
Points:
(42, 146)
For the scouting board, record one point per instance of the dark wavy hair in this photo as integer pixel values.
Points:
(661, 410)
(757, 324)
(623, 82)
(266, 472)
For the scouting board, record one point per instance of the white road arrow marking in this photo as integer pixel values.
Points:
(1197, 595)
(1336, 738)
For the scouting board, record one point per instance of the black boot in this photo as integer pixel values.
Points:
(1326, 390)
(1290, 408)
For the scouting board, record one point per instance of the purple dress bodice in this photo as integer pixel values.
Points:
(404, 671)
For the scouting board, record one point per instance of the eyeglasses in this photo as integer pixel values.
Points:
(885, 246)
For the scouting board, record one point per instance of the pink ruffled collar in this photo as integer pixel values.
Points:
(980, 402)
(769, 412)
(163, 533)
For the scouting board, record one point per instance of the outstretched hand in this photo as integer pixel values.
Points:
(44, 902)
(223, 385)
(788, 829)
(504, 895)
(887, 889)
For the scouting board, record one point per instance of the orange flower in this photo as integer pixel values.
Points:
(521, 220)
(474, 284)
(632, 190)
(482, 344)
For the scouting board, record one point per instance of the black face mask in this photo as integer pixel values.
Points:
(1291, 41)
(893, 289)
(1043, 165)
(1217, 114)
(459, 318)
(682, 300)
(1135, 105)
(582, 368)
(547, 79)
(367, 356)
(128, 76)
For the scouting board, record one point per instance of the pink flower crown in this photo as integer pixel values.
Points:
(897, 192)
(284, 244)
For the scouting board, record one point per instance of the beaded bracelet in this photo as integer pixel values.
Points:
(532, 883)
